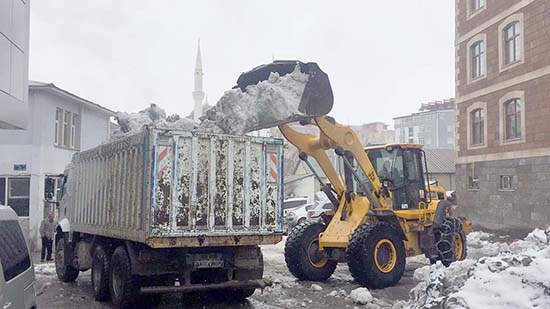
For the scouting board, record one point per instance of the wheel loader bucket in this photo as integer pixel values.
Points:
(317, 99)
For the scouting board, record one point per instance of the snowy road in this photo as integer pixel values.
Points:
(286, 292)
(515, 273)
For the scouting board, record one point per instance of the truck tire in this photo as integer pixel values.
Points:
(124, 291)
(100, 273)
(65, 271)
(302, 255)
(376, 255)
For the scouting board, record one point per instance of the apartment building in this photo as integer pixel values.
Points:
(432, 126)
(502, 111)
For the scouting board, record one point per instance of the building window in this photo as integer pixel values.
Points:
(478, 123)
(74, 121)
(473, 178)
(512, 51)
(506, 183)
(67, 129)
(512, 120)
(15, 192)
(510, 42)
(476, 5)
(477, 51)
(58, 126)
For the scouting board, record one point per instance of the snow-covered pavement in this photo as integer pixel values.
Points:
(507, 274)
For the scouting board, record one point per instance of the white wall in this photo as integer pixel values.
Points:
(14, 62)
(35, 147)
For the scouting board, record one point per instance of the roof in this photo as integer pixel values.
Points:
(54, 89)
(440, 161)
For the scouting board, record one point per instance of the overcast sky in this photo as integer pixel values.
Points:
(383, 57)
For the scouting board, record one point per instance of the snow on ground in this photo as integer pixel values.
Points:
(44, 269)
(505, 276)
(498, 275)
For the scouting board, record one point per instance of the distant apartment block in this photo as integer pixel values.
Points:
(433, 126)
(374, 133)
(14, 63)
(503, 111)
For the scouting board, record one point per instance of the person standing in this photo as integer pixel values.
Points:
(46, 232)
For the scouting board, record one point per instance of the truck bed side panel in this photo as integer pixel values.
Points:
(216, 185)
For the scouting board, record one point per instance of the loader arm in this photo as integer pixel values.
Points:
(352, 208)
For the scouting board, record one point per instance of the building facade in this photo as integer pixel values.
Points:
(441, 167)
(60, 124)
(374, 133)
(433, 126)
(503, 107)
(14, 63)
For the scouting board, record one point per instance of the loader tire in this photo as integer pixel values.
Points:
(100, 273)
(122, 286)
(65, 271)
(302, 255)
(450, 242)
(376, 255)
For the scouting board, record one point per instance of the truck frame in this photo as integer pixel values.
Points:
(166, 211)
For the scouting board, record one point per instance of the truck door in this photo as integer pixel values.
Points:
(408, 180)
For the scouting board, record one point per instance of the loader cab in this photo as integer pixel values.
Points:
(401, 170)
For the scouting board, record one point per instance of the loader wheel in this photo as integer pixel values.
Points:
(65, 271)
(376, 255)
(100, 273)
(450, 242)
(302, 255)
(124, 291)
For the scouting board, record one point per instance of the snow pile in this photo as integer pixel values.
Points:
(152, 116)
(515, 277)
(44, 269)
(268, 103)
(361, 296)
(480, 244)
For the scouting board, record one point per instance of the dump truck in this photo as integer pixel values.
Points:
(168, 211)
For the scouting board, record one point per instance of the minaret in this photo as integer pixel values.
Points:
(198, 94)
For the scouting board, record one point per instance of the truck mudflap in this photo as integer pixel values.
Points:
(232, 284)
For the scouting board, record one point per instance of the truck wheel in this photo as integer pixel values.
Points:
(65, 271)
(376, 255)
(122, 287)
(302, 255)
(100, 273)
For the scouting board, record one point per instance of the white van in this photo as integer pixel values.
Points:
(16, 269)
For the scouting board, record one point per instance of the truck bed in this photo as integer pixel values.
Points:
(179, 189)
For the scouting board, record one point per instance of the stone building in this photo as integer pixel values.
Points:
(433, 126)
(503, 111)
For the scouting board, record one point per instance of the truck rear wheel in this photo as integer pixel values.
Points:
(123, 289)
(65, 271)
(302, 255)
(100, 273)
(376, 255)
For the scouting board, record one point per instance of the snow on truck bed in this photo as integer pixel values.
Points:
(269, 102)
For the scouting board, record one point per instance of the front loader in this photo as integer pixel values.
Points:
(384, 209)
